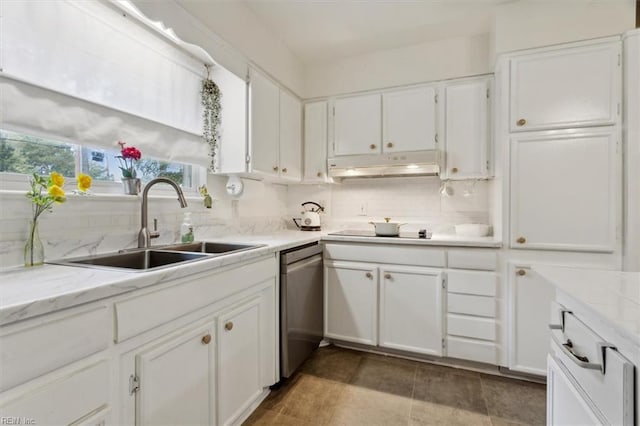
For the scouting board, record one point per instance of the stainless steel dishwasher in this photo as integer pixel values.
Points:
(301, 305)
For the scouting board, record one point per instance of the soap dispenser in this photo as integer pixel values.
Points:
(186, 229)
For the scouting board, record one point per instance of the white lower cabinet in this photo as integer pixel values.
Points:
(411, 309)
(529, 314)
(473, 326)
(239, 360)
(176, 378)
(565, 404)
(351, 302)
(67, 396)
(393, 305)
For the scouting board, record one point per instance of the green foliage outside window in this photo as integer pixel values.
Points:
(27, 154)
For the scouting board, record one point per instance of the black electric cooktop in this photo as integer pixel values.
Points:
(357, 233)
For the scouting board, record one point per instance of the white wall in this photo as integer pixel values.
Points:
(533, 23)
(435, 60)
(238, 36)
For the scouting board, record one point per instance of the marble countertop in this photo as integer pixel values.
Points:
(436, 240)
(611, 296)
(28, 292)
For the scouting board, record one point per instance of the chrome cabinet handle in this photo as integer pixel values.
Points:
(583, 361)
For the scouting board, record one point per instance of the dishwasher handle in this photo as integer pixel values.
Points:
(292, 267)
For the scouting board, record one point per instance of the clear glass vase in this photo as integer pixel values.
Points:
(33, 249)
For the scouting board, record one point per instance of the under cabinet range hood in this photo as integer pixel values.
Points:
(419, 163)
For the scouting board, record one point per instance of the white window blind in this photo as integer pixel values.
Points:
(83, 71)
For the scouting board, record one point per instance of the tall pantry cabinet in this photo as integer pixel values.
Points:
(562, 135)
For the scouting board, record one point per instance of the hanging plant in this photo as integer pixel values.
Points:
(211, 117)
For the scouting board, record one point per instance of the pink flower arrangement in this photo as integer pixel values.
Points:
(128, 158)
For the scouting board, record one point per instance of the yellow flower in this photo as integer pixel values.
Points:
(57, 179)
(84, 182)
(57, 194)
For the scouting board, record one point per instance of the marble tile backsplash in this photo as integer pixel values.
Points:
(417, 201)
(98, 224)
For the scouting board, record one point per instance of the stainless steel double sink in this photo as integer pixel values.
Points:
(158, 257)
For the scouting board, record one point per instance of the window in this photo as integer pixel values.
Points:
(27, 154)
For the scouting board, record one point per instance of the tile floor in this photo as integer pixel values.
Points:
(344, 387)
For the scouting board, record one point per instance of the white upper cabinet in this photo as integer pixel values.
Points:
(409, 120)
(568, 87)
(466, 129)
(315, 142)
(564, 190)
(265, 124)
(290, 163)
(356, 125)
(275, 134)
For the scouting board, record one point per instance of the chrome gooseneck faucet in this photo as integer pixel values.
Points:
(144, 236)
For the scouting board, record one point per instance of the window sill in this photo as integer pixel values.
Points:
(105, 196)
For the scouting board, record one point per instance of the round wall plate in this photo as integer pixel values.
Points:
(234, 186)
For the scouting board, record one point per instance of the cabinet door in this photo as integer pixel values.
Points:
(290, 137)
(356, 125)
(565, 404)
(411, 309)
(564, 190)
(466, 129)
(571, 87)
(409, 120)
(265, 132)
(176, 379)
(351, 302)
(315, 142)
(239, 381)
(530, 308)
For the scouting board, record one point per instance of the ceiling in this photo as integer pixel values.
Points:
(320, 31)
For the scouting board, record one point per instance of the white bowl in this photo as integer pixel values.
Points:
(472, 230)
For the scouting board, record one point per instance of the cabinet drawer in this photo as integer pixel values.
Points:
(474, 327)
(485, 260)
(472, 305)
(473, 350)
(390, 254)
(41, 345)
(64, 400)
(472, 282)
(612, 391)
(142, 313)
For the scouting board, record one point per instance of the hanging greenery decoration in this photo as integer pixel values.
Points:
(211, 116)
